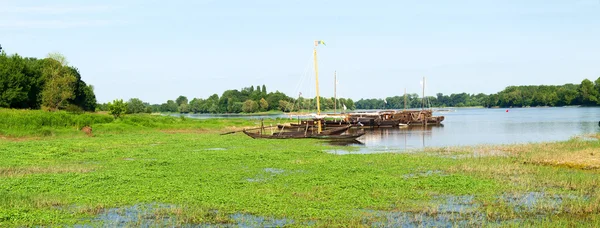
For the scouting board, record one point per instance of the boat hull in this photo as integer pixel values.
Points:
(350, 137)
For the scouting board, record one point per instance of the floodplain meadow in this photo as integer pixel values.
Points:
(147, 170)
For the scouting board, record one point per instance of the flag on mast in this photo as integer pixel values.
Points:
(317, 42)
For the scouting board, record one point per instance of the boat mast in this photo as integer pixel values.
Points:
(423, 99)
(317, 83)
(334, 92)
(404, 99)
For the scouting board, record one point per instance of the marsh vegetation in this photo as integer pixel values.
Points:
(160, 170)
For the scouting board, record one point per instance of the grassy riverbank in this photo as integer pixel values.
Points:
(173, 171)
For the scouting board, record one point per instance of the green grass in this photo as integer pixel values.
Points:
(204, 178)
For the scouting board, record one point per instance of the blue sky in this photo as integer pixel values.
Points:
(158, 50)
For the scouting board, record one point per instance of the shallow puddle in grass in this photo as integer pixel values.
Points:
(448, 211)
(248, 220)
(144, 215)
(464, 211)
(530, 201)
(266, 175)
(139, 215)
(451, 211)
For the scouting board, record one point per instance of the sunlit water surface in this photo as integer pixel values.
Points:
(477, 126)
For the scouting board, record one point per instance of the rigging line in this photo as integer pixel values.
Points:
(303, 76)
(301, 82)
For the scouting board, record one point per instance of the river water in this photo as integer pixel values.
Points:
(479, 126)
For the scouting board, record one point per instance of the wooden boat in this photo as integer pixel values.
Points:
(336, 130)
(328, 131)
(302, 129)
(347, 137)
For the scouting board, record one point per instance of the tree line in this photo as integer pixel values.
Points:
(585, 94)
(49, 83)
(247, 100)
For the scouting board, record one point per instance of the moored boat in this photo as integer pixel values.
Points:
(345, 137)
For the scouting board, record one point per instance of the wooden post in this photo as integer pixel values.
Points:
(262, 126)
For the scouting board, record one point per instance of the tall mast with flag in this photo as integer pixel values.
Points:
(317, 43)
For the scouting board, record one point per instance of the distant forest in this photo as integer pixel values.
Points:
(51, 84)
(256, 99)
(247, 100)
(585, 94)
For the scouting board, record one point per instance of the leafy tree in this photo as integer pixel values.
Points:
(284, 106)
(171, 106)
(59, 85)
(184, 108)
(181, 100)
(587, 94)
(135, 105)
(264, 105)
(14, 85)
(264, 89)
(597, 85)
(274, 98)
(117, 108)
(84, 96)
(196, 105)
(250, 106)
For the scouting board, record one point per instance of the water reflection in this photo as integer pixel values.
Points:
(467, 127)
(471, 126)
(391, 139)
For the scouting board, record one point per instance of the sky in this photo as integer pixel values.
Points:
(158, 50)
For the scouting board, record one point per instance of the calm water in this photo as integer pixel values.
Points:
(466, 127)
(475, 126)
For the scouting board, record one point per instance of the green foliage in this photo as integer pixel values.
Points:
(196, 106)
(20, 81)
(29, 122)
(181, 100)
(184, 108)
(72, 181)
(284, 106)
(135, 105)
(60, 82)
(237, 101)
(587, 93)
(250, 106)
(264, 105)
(170, 106)
(31, 83)
(84, 96)
(117, 108)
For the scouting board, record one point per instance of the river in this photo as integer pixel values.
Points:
(480, 126)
